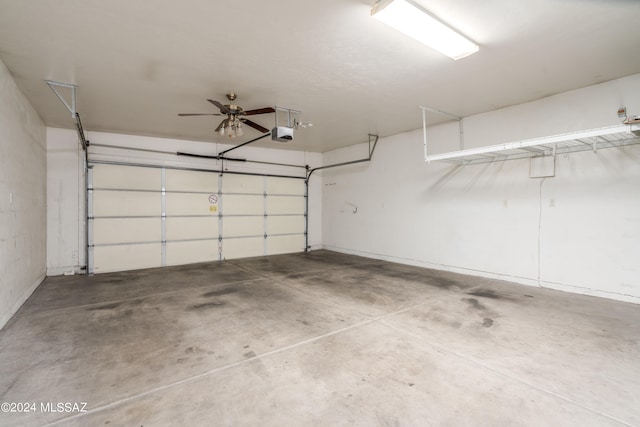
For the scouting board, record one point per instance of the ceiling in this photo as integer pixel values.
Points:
(139, 63)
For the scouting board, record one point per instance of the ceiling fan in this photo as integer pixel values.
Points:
(232, 125)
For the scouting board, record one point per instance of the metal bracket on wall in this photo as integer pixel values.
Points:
(372, 139)
(71, 106)
(442, 113)
(56, 85)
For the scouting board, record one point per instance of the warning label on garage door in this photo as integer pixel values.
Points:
(213, 200)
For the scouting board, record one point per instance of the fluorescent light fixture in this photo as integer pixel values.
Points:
(410, 19)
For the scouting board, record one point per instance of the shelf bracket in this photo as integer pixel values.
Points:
(442, 113)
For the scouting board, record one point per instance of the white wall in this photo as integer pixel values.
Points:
(578, 231)
(22, 198)
(65, 212)
(65, 202)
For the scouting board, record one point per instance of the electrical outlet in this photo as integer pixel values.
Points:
(74, 254)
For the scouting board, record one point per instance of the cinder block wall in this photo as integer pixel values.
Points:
(23, 216)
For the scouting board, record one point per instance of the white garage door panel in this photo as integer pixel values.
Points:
(285, 244)
(285, 224)
(126, 203)
(242, 226)
(131, 231)
(181, 180)
(285, 205)
(126, 257)
(126, 230)
(242, 247)
(189, 252)
(189, 204)
(126, 177)
(242, 184)
(242, 205)
(192, 228)
(285, 186)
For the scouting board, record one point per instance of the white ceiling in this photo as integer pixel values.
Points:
(139, 63)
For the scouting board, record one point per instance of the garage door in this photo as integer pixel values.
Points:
(141, 217)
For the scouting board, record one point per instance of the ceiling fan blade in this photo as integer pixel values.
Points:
(255, 125)
(223, 108)
(198, 114)
(221, 125)
(264, 110)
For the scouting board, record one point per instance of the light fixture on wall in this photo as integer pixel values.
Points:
(412, 20)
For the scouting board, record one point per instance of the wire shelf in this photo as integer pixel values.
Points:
(594, 139)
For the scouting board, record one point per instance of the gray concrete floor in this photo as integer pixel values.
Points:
(320, 339)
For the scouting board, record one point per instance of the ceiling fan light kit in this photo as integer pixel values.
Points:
(412, 20)
(230, 129)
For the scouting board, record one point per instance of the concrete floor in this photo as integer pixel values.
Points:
(320, 339)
